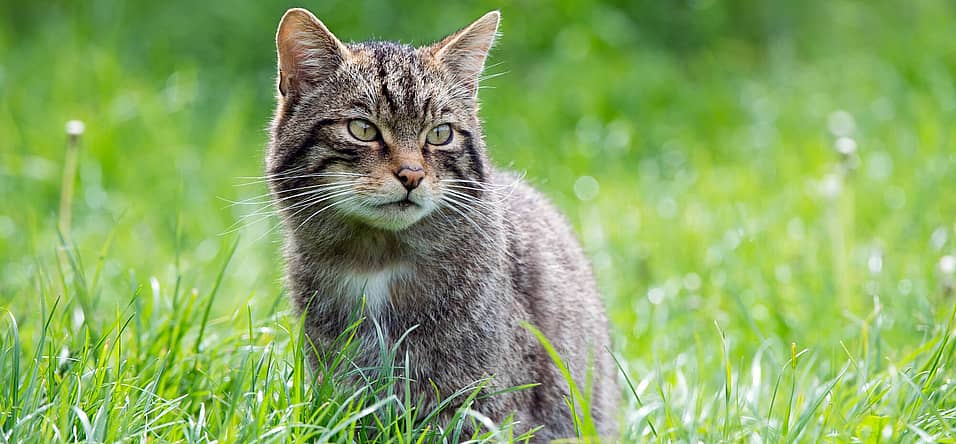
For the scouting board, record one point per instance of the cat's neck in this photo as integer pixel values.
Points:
(345, 245)
(341, 245)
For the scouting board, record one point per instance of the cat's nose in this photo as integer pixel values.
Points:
(410, 176)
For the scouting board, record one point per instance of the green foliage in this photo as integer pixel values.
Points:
(781, 169)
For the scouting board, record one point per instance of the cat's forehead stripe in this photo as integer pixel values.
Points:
(381, 59)
(399, 78)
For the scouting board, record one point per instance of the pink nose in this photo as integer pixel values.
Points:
(410, 176)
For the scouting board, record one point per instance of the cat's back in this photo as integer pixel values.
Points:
(540, 233)
(553, 282)
(549, 268)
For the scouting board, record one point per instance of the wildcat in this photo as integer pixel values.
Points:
(378, 165)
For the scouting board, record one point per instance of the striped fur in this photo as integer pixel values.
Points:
(472, 252)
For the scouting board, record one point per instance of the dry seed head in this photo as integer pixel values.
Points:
(846, 146)
(75, 127)
(947, 265)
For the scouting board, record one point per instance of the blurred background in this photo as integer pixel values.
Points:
(785, 169)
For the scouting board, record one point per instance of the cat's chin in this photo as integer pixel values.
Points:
(395, 216)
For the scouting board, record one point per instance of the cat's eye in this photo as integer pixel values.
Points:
(363, 130)
(439, 135)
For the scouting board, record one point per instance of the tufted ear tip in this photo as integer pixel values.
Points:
(465, 51)
(493, 15)
(491, 18)
(297, 15)
(307, 51)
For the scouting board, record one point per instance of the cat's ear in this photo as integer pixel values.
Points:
(464, 52)
(308, 51)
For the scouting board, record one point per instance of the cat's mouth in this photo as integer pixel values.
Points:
(402, 204)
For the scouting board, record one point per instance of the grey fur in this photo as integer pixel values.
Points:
(464, 265)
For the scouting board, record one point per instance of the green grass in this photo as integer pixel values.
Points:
(762, 286)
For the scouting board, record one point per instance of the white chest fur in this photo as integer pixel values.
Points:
(376, 286)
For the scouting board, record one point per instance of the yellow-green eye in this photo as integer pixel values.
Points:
(439, 135)
(363, 130)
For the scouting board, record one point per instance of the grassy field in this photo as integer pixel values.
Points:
(765, 190)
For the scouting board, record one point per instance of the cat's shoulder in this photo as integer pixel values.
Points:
(519, 196)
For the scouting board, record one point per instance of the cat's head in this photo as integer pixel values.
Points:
(381, 133)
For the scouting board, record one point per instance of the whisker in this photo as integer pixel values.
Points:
(265, 212)
(479, 213)
(294, 171)
(301, 206)
(496, 193)
(257, 180)
(310, 217)
(469, 198)
(348, 199)
(483, 185)
(449, 201)
(450, 204)
(313, 188)
(298, 206)
(463, 187)
(290, 172)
